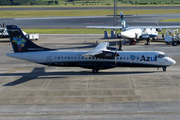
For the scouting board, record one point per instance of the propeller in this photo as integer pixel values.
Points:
(2, 31)
(3, 26)
(136, 35)
(116, 55)
(120, 45)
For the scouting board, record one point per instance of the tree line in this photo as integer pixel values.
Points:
(17, 2)
(27, 2)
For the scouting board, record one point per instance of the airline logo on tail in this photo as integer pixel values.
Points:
(19, 41)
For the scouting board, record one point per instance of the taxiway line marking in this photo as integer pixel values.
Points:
(10, 72)
(89, 113)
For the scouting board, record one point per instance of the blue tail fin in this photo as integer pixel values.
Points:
(123, 22)
(20, 43)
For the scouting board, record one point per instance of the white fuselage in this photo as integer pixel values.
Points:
(75, 59)
(138, 33)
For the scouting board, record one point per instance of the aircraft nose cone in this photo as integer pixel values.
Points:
(124, 34)
(172, 62)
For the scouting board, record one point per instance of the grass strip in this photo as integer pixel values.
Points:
(74, 31)
(171, 20)
(80, 5)
(58, 13)
(68, 31)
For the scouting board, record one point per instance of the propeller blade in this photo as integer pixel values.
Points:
(135, 36)
(120, 45)
(116, 55)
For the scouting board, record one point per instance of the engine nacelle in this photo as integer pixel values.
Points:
(112, 48)
(158, 29)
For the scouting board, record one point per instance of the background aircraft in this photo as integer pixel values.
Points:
(136, 32)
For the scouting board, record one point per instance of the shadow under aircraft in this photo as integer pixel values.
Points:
(39, 73)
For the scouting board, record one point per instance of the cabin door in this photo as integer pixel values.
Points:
(49, 60)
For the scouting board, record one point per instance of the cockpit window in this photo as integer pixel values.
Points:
(162, 55)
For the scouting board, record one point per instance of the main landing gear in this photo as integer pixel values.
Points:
(132, 42)
(95, 70)
(148, 40)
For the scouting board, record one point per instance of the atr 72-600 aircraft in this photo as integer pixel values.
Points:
(136, 32)
(101, 57)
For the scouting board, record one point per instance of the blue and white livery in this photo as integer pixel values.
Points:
(101, 57)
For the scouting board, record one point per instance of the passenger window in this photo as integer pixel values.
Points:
(78, 57)
(82, 57)
(74, 57)
(120, 58)
(127, 58)
(68, 57)
(61, 57)
(58, 57)
(124, 58)
(64, 57)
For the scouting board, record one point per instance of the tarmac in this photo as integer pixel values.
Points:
(32, 91)
(80, 22)
(89, 7)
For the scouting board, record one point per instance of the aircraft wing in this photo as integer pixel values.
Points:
(104, 27)
(141, 27)
(97, 50)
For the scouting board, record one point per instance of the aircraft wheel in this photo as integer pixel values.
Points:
(174, 44)
(164, 69)
(95, 70)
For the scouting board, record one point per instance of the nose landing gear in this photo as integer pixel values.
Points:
(164, 69)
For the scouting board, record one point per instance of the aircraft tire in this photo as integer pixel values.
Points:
(164, 69)
(95, 70)
(174, 44)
